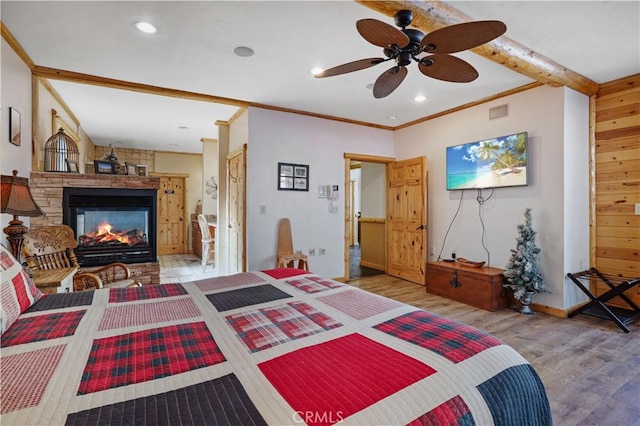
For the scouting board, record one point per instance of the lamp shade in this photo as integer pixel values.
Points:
(16, 197)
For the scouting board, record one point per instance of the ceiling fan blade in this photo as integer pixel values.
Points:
(458, 37)
(447, 68)
(389, 81)
(350, 67)
(381, 34)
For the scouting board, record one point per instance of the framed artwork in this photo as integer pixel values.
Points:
(131, 169)
(141, 169)
(103, 167)
(72, 166)
(14, 126)
(293, 177)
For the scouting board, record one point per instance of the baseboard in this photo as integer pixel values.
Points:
(556, 312)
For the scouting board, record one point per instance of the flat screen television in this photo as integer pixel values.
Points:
(490, 163)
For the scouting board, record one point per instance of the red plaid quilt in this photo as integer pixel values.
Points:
(281, 347)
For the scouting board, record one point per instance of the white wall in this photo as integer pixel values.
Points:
(283, 137)
(576, 192)
(540, 112)
(373, 186)
(209, 168)
(15, 89)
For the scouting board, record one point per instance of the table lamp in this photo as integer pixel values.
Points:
(18, 201)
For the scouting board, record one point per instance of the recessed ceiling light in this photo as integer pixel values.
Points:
(243, 51)
(183, 128)
(420, 98)
(146, 27)
(392, 117)
(316, 70)
(173, 144)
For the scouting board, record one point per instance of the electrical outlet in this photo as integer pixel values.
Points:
(312, 252)
(432, 250)
(263, 209)
(637, 208)
(322, 251)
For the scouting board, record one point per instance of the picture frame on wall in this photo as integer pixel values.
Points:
(14, 126)
(103, 167)
(293, 177)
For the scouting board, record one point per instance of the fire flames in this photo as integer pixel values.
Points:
(105, 235)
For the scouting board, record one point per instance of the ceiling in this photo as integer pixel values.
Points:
(193, 51)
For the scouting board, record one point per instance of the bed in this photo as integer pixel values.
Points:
(281, 346)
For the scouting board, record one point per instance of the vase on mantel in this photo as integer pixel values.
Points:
(525, 300)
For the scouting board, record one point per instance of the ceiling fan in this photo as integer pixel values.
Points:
(403, 46)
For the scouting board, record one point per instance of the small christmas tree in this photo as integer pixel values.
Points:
(522, 271)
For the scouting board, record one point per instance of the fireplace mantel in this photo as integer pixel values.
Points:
(47, 189)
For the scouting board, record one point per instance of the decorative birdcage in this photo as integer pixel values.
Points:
(59, 148)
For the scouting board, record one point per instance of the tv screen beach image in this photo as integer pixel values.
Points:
(491, 163)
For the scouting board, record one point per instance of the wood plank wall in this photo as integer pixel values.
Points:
(617, 181)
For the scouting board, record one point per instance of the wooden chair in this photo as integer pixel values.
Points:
(51, 247)
(286, 258)
(208, 242)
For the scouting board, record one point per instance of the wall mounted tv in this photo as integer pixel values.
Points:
(490, 163)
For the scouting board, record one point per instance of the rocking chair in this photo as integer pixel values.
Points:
(51, 247)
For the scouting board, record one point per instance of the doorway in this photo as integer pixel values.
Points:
(367, 252)
(400, 234)
(355, 266)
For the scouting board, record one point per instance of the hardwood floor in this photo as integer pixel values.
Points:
(590, 368)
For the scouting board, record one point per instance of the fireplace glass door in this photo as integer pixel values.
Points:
(103, 227)
(112, 225)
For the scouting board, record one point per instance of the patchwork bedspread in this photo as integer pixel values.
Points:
(271, 347)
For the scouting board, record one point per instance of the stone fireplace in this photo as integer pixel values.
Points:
(50, 190)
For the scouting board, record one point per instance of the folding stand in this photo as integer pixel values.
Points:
(597, 307)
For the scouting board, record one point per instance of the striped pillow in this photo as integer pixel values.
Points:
(17, 291)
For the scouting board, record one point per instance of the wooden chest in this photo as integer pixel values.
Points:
(479, 287)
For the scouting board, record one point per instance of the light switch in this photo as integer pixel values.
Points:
(263, 209)
(638, 209)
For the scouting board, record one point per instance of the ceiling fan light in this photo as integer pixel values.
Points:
(146, 27)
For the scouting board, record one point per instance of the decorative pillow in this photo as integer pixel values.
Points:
(17, 290)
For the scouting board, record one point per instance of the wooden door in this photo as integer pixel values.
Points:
(172, 223)
(407, 219)
(236, 184)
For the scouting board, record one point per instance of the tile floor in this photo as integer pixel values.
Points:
(179, 268)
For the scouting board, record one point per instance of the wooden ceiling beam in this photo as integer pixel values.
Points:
(431, 15)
